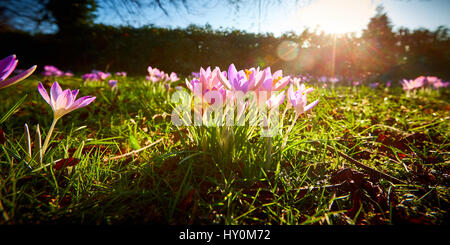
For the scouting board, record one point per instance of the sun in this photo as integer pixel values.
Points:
(337, 16)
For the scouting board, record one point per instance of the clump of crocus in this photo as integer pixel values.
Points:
(95, 75)
(413, 84)
(52, 71)
(121, 74)
(7, 66)
(61, 102)
(436, 82)
(154, 74)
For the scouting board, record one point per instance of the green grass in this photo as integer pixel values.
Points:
(192, 177)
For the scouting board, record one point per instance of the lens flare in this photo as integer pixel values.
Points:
(287, 50)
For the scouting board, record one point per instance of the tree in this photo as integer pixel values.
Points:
(71, 15)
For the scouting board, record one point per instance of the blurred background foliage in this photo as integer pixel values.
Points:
(79, 45)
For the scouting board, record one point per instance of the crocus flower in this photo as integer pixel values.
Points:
(154, 74)
(298, 99)
(440, 84)
(121, 74)
(50, 70)
(413, 84)
(334, 79)
(173, 77)
(7, 66)
(207, 81)
(103, 75)
(243, 80)
(275, 100)
(196, 74)
(275, 81)
(63, 102)
(112, 84)
(90, 77)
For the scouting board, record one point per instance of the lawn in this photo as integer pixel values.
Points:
(363, 155)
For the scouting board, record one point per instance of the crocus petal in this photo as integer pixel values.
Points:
(74, 93)
(82, 102)
(18, 78)
(44, 93)
(312, 105)
(64, 100)
(7, 66)
(55, 91)
(281, 83)
(276, 100)
(224, 80)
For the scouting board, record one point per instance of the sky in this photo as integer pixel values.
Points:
(332, 16)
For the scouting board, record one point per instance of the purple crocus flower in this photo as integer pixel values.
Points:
(298, 99)
(112, 84)
(243, 80)
(90, 77)
(102, 75)
(196, 74)
(63, 102)
(275, 81)
(7, 66)
(50, 70)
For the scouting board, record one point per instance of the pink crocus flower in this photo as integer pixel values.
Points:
(275, 100)
(121, 74)
(208, 81)
(334, 79)
(275, 81)
(103, 75)
(173, 77)
(50, 70)
(243, 80)
(154, 74)
(298, 99)
(63, 102)
(7, 66)
(413, 84)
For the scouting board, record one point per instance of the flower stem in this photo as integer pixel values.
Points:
(286, 135)
(269, 152)
(47, 138)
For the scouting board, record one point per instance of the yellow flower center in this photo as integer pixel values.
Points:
(276, 80)
(247, 73)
